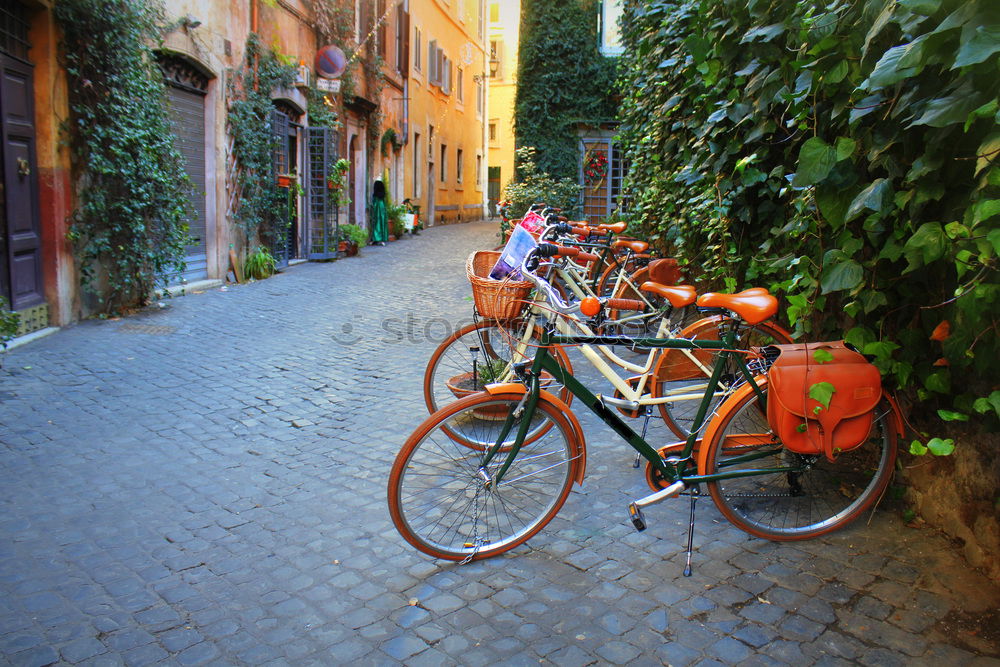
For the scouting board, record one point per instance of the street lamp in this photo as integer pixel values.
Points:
(494, 65)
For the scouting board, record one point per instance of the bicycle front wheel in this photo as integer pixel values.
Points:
(813, 496)
(446, 501)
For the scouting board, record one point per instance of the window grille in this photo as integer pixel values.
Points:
(14, 30)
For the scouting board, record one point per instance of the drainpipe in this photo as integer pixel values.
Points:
(406, 80)
(254, 20)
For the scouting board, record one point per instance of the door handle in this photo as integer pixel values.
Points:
(23, 168)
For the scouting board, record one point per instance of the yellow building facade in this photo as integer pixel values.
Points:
(503, 20)
(445, 152)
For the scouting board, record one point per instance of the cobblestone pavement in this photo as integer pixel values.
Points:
(205, 483)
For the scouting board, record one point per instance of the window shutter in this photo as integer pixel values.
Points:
(404, 43)
(432, 62)
(366, 19)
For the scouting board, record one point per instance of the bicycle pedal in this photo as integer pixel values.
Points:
(635, 514)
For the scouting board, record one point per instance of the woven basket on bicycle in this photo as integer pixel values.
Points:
(501, 300)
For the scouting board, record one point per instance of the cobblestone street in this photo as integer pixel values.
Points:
(204, 483)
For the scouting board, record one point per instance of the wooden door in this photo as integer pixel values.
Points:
(20, 236)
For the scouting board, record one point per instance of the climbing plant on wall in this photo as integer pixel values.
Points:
(129, 228)
(254, 141)
(847, 155)
(562, 79)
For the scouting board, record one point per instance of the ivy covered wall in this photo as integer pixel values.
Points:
(562, 79)
(129, 228)
(846, 157)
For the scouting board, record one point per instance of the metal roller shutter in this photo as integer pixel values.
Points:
(187, 113)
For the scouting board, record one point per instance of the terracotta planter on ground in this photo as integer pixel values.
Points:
(462, 386)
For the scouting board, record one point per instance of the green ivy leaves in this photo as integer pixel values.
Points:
(129, 226)
(816, 160)
(936, 446)
(848, 158)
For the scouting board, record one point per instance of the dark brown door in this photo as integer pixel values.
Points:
(21, 249)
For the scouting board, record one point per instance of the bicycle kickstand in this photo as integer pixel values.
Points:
(646, 414)
(694, 499)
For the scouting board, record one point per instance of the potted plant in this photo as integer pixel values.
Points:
(336, 181)
(396, 214)
(486, 373)
(355, 237)
(9, 323)
(260, 264)
(286, 180)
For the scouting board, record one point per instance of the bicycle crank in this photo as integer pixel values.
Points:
(635, 507)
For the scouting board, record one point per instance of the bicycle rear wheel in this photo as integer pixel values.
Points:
(817, 498)
(442, 499)
(686, 372)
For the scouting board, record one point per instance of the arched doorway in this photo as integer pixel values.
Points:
(187, 86)
(287, 126)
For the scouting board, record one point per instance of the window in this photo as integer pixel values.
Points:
(417, 53)
(444, 163)
(445, 73)
(496, 54)
(380, 30)
(611, 43)
(459, 165)
(458, 85)
(494, 12)
(418, 160)
(493, 131)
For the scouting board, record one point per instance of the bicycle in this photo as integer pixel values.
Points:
(506, 477)
(480, 344)
(662, 381)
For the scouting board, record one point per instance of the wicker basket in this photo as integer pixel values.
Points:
(495, 299)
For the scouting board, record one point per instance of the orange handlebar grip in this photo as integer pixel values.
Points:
(625, 304)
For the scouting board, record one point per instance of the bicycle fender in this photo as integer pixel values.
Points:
(897, 414)
(580, 440)
(713, 424)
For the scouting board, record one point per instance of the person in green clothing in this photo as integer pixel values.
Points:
(380, 220)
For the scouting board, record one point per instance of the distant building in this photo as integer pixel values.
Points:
(422, 129)
(504, 22)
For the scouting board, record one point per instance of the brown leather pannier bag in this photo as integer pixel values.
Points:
(804, 424)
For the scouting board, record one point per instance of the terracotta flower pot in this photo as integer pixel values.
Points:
(462, 386)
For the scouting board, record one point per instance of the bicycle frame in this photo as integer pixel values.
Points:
(677, 468)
